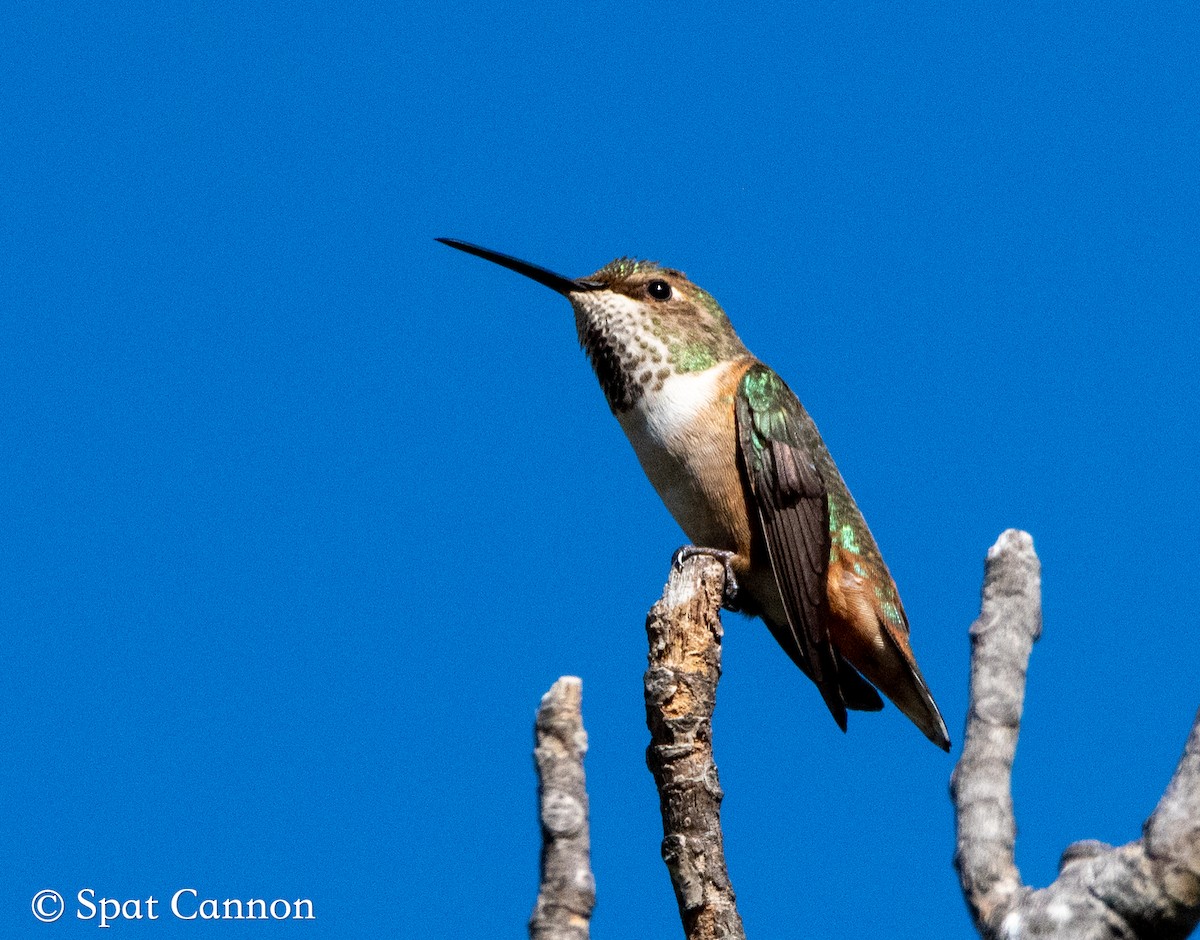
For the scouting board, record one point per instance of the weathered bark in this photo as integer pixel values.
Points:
(1149, 888)
(684, 629)
(1001, 639)
(568, 890)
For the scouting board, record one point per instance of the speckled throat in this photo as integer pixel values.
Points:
(635, 342)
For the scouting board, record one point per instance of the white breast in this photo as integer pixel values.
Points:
(684, 438)
(664, 418)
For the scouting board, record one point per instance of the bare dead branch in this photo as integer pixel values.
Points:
(568, 890)
(1149, 888)
(684, 629)
(1010, 620)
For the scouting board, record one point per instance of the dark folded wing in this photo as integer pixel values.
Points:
(794, 511)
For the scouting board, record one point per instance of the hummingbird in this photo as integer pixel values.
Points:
(741, 466)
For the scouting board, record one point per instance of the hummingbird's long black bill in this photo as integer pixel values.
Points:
(556, 282)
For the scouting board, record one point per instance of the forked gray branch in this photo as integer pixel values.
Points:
(1149, 888)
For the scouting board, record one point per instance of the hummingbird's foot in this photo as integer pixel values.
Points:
(729, 595)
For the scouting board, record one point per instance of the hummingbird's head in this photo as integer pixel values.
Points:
(662, 294)
(638, 322)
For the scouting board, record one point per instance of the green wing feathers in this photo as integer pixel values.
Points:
(818, 543)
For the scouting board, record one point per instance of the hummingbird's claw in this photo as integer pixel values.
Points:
(729, 595)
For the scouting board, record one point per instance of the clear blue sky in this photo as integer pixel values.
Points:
(302, 511)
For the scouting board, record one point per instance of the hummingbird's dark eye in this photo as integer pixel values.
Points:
(659, 290)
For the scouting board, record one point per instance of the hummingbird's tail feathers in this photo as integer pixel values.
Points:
(875, 641)
(906, 687)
